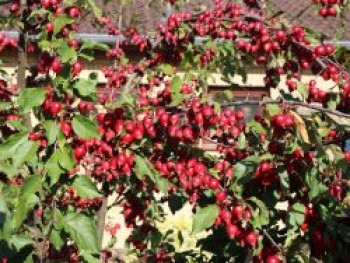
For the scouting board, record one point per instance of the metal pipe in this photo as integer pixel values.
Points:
(109, 39)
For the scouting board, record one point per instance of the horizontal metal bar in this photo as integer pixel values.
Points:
(109, 39)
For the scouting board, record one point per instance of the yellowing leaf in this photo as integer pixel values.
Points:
(301, 126)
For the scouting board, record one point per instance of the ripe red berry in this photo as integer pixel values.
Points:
(77, 68)
(347, 156)
(232, 230)
(237, 211)
(251, 239)
(214, 184)
(331, 11)
(56, 65)
(221, 196)
(320, 51)
(304, 226)
(74, 12)
(323, 12)
(138, 133)
(55, 108)
(49, 27)
(273, 259)
(79, 152)
(66, 128)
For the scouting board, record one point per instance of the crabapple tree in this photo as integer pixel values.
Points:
(275, 190)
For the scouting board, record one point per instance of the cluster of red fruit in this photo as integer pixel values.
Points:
(328, 7)
(233, 220)
(266, 174)
(317, 94)
(7, 42)
(70, 197)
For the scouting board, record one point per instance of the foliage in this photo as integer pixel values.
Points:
(277, 188)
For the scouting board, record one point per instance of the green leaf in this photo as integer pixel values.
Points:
(30, 98)
(167, 69)
(8, 148)
(85, 87)
(82, 230)
(66, 160)
(95, 9)
(239, 170)
(6, 223)
(261, 215)
(26, 152)
(53, 168)
(303, 90)
(17, 125)
(176, 85)
(162, 183)
(204, 218)
(144, 168)
(141, 167)
(175, 88)
(93, 45)
(242, 142)
(315, 186)
(8, 169)
(20, 241)
(67, 53)
(85, 128)
(273, 109)
(61, 21)
(30, 186)
(85, 187)
(60, 161)
(51, 131)
(5, 105)
(57, 239)
(297, 214)
(177, 99)
(27, 199)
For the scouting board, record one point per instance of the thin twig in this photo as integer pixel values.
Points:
(288, 102)
(272, 241)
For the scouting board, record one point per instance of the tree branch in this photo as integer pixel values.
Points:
(289, 102)
(272, 241)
